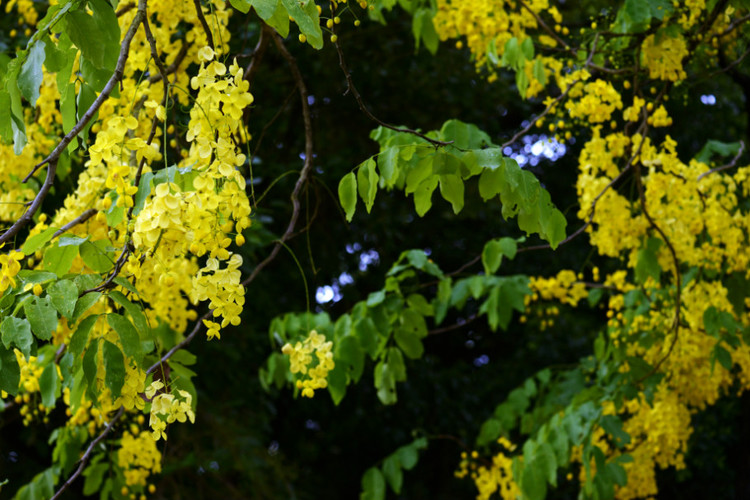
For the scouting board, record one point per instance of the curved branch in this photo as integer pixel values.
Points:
(306, 168)
(358, 98)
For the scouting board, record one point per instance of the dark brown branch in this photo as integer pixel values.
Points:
(196, 329)
(54, 156)
(125, 9)
(165, 82)
(450, 328)
(266, 32)
(728, 165)
(306, 168)
(677, 276)
(358, 98)
(202, 19)
(84, 460)
(544, 113)
(544, 26)
(78, 220)
(175, 64)
(732, 26)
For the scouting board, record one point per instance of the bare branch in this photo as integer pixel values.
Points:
(728, 165)
(306, 168)
(84, 460)
(202, 19)
(266, 32)
(541, 115)
(78, 220)
(358, 98)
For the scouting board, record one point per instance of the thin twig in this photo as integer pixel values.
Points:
(455, 326)
(358, 98)
(206, 28)
(728, 165)
(544, 26)
(544, 113)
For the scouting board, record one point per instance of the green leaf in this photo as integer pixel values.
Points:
(367, 333)
(31, 74)
(337, 382)
(408, 455)
(373, 485)
(409, 343)
(648, 262)
(97, 256)
(10, 372)
(42, 317)
(81, 336)
(393, 473)
(97, 35)
(490, 183)
(452, 189)
(49, 385)
(613, 426)
(89, 367)
(418, 173)
(489, 432)
(424, 29)
(129, 339)
(351, 356)
(722, 356)
(305, 14)
(17, 332)
(134, 310)
(241, 5)
(84, 304)
(64, 295)
(348, 194)
(388, 165)
(367, 183)
(511, 53)
(423, 195)
(58, 259)
(94, 475)
(114, 364)
(493, 252)
(279, 20)
(37, 241)
(538, 72)
(533, 481)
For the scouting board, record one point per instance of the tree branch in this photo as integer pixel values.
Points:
(306, 168)
(202, 19)
(358, 98)
(728, 165)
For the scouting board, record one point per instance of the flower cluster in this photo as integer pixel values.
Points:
(166, 408)
(138, 457)
(9, 268)
(301, 361)
(595, 101)
(663, 55)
